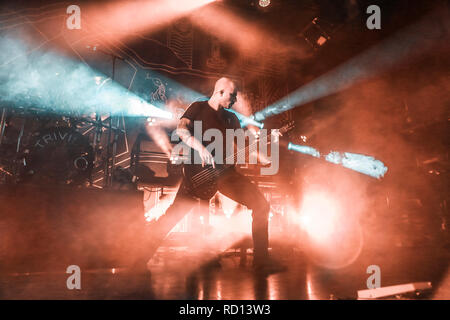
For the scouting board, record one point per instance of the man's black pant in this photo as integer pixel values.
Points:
(234, 186)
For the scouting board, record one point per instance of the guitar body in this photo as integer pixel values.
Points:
(201, 181)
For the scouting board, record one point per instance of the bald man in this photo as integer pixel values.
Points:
(212, 114)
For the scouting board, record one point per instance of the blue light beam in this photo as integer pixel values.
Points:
(304, 149)
(246, 121)
(404, 45)
(44, 80)
(357, 162)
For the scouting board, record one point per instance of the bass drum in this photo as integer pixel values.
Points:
(59, 155)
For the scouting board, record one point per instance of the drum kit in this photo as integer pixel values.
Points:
(46, 148)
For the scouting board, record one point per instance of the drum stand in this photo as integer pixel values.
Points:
(2, 124)
(111, 152)
(2, 133)
(110, 159)
(15, 168)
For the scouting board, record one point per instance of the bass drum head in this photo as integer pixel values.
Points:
(59, 155)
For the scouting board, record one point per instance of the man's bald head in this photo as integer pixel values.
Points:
(223, 84)
(225, 92)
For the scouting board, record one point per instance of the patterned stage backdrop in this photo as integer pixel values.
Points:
(169, 68)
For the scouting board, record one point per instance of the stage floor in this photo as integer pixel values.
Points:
(186, 274)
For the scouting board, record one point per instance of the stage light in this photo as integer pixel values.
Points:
(264, 3)
(321, 40)
(320, 213)
(334, 236)
(314, 34)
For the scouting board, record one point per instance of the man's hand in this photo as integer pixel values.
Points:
(206, 157)
(184, 134)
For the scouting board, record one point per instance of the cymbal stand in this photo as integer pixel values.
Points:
(111, 152)
(2, 124)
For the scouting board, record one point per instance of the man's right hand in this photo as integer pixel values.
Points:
(206, 157)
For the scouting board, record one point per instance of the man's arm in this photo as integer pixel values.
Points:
(192, 142)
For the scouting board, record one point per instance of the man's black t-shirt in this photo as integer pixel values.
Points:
(210, 118)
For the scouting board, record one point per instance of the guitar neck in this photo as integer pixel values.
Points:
(252, 147)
